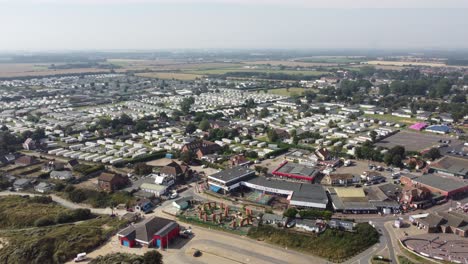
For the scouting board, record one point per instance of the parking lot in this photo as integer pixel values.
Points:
(414, 141)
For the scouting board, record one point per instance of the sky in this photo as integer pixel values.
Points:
(62, 25)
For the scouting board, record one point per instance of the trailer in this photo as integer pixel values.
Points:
(106, 159)
(76, 147)
(90, 158)
(54, 151)
(115, 161)
(99, 158)
(68, 154)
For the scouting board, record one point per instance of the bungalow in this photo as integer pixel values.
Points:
(44, 187)
(26, 161)
(61, 175)
(21, 184)
(310, 225)
(341, 224)
(401, 114)
(144, 206)
(152, 232)
(273, 219)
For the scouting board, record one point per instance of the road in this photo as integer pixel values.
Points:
(221, 247)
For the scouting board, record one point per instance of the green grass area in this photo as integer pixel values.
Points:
(19, 212)
(396, 119)
(288, 91)
(56, 244)
(333, 245)
(405, 260)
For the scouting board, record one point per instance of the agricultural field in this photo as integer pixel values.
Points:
(332, 59)
(170, 75)
(11, 70)
(409, 63)
(290, 63)
(241, 69)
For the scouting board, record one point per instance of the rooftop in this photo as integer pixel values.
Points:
(231, 174)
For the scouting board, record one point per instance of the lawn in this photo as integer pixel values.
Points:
(396, 119)
(56, 244)
(170, 75)
(333, 245)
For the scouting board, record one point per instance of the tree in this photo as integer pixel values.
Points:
(190, 128)
(433, 154)
(186, 104)
(264, 112)
(272, 135)
(290, 212)
(142, 125)
(204, 125)
(187, 157)
(152, 257)
(373, 135)
(142, 169)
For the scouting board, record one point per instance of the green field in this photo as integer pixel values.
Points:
(288, 91)
(396, 119)
(170, 75)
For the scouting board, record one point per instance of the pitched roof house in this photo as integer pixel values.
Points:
(201, 147)
(110, 182)
(152, 232)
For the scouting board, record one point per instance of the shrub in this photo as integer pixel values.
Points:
(44, 221)
(63, 218)
(41, 199)
(77, 196)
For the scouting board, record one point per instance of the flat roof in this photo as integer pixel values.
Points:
(350, 192)
(231, 174)
(295, 170)
(305, 192)
(441, 182)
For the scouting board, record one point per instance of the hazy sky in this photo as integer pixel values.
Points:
(163, 24)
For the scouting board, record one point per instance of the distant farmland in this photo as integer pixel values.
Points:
(13, 70)
(170, 75)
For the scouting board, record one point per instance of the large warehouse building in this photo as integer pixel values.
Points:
(448, 186)
(299, 194)
(296, 171)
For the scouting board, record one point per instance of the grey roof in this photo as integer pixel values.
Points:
(442, 182)
(453, 165)
(298, 169)
(145, 230)
(232, 173)
(310, 193)
(304, 192)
